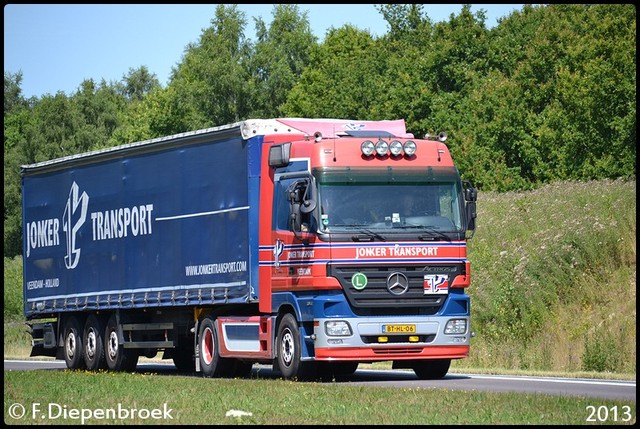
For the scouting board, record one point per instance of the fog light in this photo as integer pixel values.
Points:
(383, 339)
(337, 328)
(456, 327)
(414, 339)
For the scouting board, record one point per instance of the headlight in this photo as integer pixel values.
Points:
(456, 327)
(337, 328)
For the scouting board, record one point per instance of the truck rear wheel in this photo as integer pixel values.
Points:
(93, 342)
(290, 351)
(431, 369)
(72, 337)
(118, 358)
(211, 364)
(208, 348)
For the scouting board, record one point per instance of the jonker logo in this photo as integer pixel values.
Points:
(436, 283)
(75, 214)
(277, 251)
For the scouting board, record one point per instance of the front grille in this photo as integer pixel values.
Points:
(377, 295)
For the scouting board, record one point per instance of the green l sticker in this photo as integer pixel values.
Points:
(359, 281)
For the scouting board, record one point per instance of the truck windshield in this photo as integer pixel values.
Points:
(391, 200)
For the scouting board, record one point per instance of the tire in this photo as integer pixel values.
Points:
(211, 364)
(289, 347)
(93, 343)
(118, 358)
(72, 343)
(431, 369)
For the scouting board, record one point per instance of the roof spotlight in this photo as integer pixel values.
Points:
(367, 148)
(395, 147)
(409, 147)
(382, 147)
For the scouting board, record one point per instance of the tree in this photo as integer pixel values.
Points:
(209, 87)
(343, 79)
(278, 60)
(12, 92)
(138, 82)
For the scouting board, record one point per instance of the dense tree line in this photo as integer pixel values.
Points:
(548, 94)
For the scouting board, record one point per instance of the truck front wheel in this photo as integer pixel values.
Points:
(118, 358)
(290, 351)
(73, 343)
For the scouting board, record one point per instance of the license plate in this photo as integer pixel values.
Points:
(398, 329)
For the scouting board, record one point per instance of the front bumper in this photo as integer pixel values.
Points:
(371, 341)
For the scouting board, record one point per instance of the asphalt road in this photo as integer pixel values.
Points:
(588, 388)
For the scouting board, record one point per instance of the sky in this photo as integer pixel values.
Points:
(57, 46)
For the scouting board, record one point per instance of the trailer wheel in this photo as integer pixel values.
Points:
(73, 343)
(290, 350)
(431, 369)
(118, 358)
(93, 342)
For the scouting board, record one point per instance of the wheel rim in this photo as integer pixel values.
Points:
(206, 345)
(113, 345)
(288, 348)
(91, 344)
(71, 345)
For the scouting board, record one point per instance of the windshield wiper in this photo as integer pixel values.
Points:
(433, 231)
(368, 234)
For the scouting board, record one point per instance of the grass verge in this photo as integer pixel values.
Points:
(80, 397)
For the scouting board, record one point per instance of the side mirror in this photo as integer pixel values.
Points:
(301, 207)
(470, 193)
(279, 155)
(470, 197)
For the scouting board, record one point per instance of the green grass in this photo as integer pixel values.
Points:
(195, 400)
(553, 283)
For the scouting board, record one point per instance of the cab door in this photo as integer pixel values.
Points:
(293, 236)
